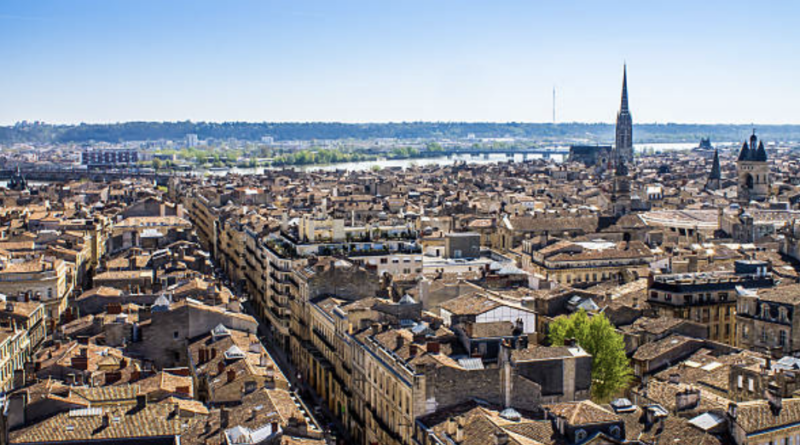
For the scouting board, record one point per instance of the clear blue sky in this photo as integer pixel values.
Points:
(395, 60)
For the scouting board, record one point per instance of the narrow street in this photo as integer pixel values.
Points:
(333, 428)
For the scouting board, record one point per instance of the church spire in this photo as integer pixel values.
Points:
(624, 106)
(716, 171)
(623, 148)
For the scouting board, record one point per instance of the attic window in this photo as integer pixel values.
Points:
(220, 331)
(234, 353)
(580, 435)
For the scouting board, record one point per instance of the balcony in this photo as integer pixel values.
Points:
(324, 340)
(384, 426)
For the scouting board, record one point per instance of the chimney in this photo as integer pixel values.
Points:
(432, 347)
(213, 353)
(141, 401)
(733, 410)
(399, 341)
(686, 400)
(459, 433)
(274, 426)
(231, 375)
(123, 363)
(105, 421)
(775, 402)
(376, 328)
(675, 378)
(451, 427)
(202, 355)
(224, 418)
(220, 367)
(412, 350)
(500, 438)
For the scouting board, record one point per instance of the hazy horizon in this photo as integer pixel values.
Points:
(91, 61)
(67, 124)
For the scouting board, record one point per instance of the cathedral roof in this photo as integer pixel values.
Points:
(745, 152)
(751, 153)
(761, 153)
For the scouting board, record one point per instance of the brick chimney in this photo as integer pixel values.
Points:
(231, 375)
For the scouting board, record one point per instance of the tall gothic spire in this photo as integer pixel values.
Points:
(624, 106)
(716, 171)
(623, 148)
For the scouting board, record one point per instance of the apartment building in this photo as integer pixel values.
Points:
(767, 319)
(44, 279)
(708, 298)
(587, 262)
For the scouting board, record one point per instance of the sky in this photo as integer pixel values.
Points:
(99, 61)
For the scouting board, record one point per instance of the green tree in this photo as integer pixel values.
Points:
(611, 370)
(156, 163)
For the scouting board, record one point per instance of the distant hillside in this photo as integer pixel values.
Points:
(143, 131)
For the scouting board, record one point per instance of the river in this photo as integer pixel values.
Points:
(442, 160)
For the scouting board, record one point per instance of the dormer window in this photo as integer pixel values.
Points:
(219, 332)
(580, 435)
(234, 353)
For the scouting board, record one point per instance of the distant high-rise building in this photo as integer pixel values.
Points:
(192, 140)
(753, 171)
(623, 149)
(109, 157)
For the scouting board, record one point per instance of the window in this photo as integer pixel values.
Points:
(175, 335)
(615, 431)
(580, 435)
(751, 386)
(783, 339)
(740, 381)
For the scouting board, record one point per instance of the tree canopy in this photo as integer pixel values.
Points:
(611, 370)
